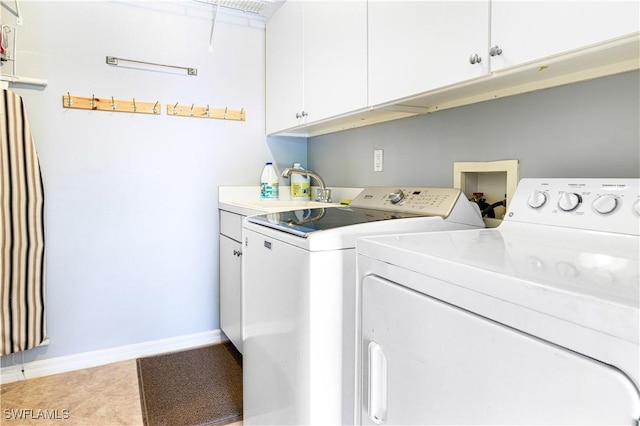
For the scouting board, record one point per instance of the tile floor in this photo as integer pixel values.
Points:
(100, 396)
(106, 395)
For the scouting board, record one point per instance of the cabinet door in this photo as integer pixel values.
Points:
(530, 30)
(284, 67)
(417, 46)
(231, 290)
(335, 58)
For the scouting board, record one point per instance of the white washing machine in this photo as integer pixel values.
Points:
(299, 298)
(533, 322)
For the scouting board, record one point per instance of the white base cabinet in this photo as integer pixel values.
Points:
(231, 277)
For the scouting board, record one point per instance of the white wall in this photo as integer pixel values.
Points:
(131, 199)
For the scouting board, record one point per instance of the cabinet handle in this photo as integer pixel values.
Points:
(237, 253)
(302, 114)
(298, 115)
(475, 59)
(495, 51)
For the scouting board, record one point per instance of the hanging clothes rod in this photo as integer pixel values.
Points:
(112, 60)
(24, 80)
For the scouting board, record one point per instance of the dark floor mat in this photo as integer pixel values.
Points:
(201, 386)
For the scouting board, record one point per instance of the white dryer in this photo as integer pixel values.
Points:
(298, 297)
(533, 322)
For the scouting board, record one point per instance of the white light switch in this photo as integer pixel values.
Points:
(377, 160)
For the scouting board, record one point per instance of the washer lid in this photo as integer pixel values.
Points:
(303, 222)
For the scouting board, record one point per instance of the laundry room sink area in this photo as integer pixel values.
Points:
(235, 203)
(245, 200)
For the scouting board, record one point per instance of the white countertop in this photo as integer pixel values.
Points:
(245, 200)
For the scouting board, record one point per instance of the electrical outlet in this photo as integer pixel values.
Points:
(378, 157)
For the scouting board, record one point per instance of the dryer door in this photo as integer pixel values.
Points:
(428, 362)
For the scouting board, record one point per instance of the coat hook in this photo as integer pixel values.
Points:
(93, 102)
(191, 111)
(207, 111)
(113, 104)
(134, 105)
(174, 108)
(241, 113)
(225, 112)
(155, 110)
(69, 101)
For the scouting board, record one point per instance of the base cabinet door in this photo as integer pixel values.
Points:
(428, 362)
(231, 290)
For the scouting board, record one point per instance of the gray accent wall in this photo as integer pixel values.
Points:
(587, 129)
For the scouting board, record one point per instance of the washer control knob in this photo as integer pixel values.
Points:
(605, 204)
(636, 207)
(396, 196)
(569, 201)
(537, 199)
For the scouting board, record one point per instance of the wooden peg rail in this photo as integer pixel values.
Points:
(133, 106)
(206, 112)
(110, 104)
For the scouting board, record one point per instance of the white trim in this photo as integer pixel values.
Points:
(63, 364)
(23, 80)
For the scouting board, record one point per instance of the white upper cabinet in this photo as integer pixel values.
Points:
(417, 46)
(316, 62)
(530, 30)
(334, 65)
(335, 61)
(284, 67)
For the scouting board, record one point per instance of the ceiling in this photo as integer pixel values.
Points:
(264, 8)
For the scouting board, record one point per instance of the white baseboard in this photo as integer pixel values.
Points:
(63, 364)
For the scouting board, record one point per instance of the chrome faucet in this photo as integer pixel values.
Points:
(323, 195)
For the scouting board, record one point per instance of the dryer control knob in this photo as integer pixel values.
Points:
(537, 199)
(605, 204)
(569, 201)
(396, 196)
(636, 207)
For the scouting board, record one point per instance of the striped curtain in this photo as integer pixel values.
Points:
(22, 259)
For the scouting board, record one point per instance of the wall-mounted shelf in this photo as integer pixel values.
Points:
(206, 112)
(110, 104)
(8, 56)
